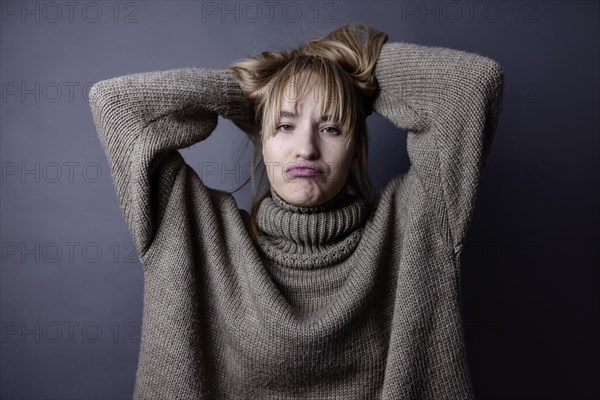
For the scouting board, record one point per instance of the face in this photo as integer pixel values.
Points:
(307, 160)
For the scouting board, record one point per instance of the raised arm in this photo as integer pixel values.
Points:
(449, 101)
(143, 119)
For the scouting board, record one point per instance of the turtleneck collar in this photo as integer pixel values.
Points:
(311, 236)
(335, 202)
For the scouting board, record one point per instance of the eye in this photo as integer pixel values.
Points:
(284, 127)
(331, 130)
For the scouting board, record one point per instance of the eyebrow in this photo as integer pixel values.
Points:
(289, 114)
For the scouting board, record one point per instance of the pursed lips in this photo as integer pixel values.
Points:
(303, 169)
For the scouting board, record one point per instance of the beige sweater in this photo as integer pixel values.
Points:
(337, 301)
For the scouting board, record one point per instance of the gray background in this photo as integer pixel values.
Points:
(71, 286)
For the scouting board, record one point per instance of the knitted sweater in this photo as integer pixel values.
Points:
(336, 301)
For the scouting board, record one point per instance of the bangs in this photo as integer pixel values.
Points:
(308, 78)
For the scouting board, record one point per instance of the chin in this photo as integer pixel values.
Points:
(304, 200)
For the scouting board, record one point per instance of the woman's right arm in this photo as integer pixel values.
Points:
(142, 120)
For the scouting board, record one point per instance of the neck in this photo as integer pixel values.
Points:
(337, 201)
(310, 236)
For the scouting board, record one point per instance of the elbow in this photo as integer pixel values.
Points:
(112, 106)
(488, 84)
(109, 111)
(495, 84)
(492, 76)
(102, 91)
(99, 97)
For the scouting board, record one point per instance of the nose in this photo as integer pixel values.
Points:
(306, 145)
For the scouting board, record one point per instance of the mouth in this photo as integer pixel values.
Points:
(303, 169)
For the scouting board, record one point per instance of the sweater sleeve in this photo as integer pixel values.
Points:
(142, 120)
(449, 101)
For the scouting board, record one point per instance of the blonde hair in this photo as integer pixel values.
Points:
(343, 63)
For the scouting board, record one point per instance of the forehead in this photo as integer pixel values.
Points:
(305, 89)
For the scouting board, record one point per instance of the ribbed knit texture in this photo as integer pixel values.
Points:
(330, 302)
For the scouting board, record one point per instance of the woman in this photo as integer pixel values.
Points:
(318, 295)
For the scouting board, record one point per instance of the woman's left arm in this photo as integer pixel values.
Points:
(449, 101)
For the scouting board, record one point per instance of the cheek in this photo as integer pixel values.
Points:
(341, 160)
(273, 157)
(277, 150)
(269, 151)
